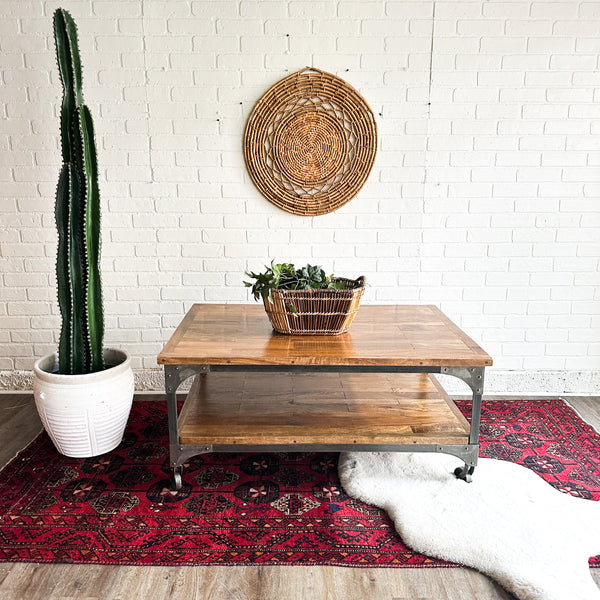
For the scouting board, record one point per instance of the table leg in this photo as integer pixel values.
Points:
(474, 378)
(174, 376)
(172, 383)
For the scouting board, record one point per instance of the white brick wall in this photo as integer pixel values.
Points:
(484, 199)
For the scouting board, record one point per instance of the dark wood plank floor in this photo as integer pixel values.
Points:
(19, 424)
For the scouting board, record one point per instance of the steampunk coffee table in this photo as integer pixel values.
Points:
(370, 389)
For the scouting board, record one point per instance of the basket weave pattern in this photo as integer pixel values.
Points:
(315, 312)
(310, 143)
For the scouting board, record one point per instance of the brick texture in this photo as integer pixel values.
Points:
(484, 199)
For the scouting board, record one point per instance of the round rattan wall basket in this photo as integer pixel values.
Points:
(310, 143)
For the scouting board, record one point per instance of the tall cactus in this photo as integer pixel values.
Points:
(77, 213)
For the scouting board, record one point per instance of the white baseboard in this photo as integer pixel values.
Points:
(551, 383)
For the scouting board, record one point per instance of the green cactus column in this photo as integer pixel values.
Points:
(77, 213)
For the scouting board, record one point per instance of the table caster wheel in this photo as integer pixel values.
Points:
(176, 481)
(465, 473)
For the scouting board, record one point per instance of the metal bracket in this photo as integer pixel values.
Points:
(175, 375)
(468, 454)
(181, 452)
(472, 376)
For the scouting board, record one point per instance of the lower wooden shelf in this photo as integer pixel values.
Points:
(320, 408)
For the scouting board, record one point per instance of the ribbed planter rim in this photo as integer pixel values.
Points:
(45, 368)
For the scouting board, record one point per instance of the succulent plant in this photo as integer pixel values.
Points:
(77, 213)
(285, 276)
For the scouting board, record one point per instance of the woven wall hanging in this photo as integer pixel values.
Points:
(310, 143)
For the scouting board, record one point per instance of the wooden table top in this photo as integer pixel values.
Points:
(381, 335)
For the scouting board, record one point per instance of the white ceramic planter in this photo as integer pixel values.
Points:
(84, 415)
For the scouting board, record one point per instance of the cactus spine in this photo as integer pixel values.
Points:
(77, 213)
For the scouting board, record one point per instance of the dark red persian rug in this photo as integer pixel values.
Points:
(247, 508)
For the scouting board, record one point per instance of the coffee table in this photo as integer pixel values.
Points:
(369, 389)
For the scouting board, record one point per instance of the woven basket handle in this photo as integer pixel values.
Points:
(361, 281)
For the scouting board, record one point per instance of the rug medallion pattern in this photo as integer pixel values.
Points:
(285, 508)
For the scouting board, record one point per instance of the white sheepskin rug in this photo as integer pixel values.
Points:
(508, 523)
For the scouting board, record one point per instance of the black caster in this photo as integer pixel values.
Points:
(465, 473)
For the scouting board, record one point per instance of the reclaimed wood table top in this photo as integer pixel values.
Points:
(381, 335)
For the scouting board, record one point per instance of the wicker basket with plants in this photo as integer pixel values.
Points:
(307, 301)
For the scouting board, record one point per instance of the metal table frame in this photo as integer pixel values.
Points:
(175, 375)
